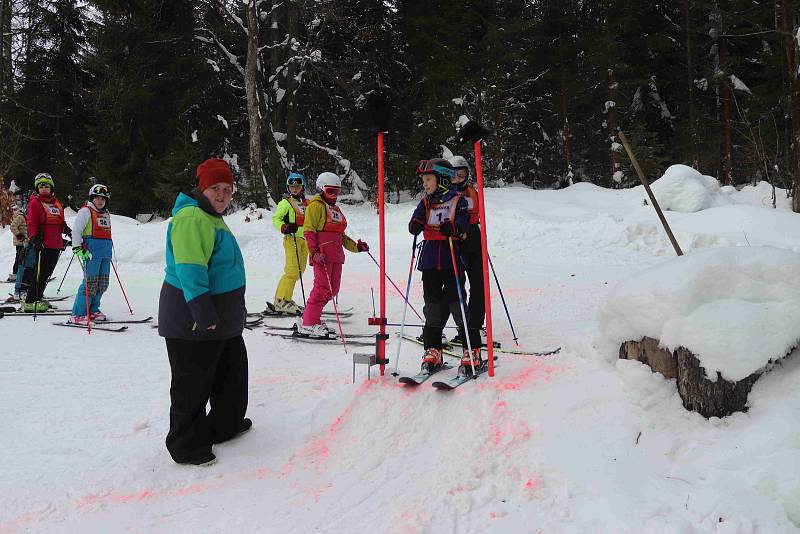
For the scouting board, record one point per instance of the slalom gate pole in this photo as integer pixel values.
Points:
(497, 282)
(461, 305)
(381, 338)
(405, 297)
(120, 286)
(86, 292)
(487, 297)
(405, 306)
(335, 307)
(65, 274)
(299, 270)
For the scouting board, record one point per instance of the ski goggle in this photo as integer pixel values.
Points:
(331, 190)
(100, 190)
(428, 166)
(295, 179)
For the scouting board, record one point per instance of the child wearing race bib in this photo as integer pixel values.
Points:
(324, 232)
(91, 243)
(288, 219)
(441, 216)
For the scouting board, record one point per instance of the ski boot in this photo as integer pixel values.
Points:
(468, 360)
(287, 307)
(431, 360)
(319, 330)
(98, 316)
(77, 319)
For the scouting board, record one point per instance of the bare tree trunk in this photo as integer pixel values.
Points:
(5, 47)
(274, 79)
(793, 84)
(727, 112)
(695, 149)
(251, 88)
(291, 86)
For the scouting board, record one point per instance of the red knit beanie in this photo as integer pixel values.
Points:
(213, 171)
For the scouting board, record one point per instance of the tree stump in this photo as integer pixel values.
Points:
(708, 398)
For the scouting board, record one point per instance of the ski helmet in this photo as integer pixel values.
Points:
(459, 162)
(99, 190)
(296, 178)
(43, 179)
(439, 167)
(328, 179)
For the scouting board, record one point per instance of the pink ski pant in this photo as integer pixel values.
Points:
(323, 291)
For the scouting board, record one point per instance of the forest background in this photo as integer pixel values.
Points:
(135, 93)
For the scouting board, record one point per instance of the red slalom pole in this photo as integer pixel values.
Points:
(381, 341)
(122, 288)
(485, 257)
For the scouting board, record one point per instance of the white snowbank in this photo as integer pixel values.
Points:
(735, 307)
(684, 189)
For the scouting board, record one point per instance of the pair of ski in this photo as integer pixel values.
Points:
(332, 339)
(14, 300)
(101, 325)
(464, 375)
(270, 311)
(447, 349)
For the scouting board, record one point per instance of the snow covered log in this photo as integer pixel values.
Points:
(709, 398)
(714, 319)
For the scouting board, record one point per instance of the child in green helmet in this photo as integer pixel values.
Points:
(288, 219)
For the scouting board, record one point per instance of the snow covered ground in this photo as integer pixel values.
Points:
(576, 442)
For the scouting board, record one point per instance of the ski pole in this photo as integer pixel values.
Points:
(299, 270)
(38, 284)
(405, 305)
(120, 286)
(65, 274)
(461, 305)
(85, 268)
(397, 288)
(335, 308)
(496, 281)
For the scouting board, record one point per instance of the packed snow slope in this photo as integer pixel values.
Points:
(575, 442)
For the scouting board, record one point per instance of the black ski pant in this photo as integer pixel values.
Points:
(476, 310)
(441, 300)
(47, 260)
(203, 372)
(17, 258)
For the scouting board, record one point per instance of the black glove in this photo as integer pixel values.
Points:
(21, 237)
(415, 227)
(36, 241)
(64, 244)
(66, 230)
(289, 228)
(472, 131)
(448, 229)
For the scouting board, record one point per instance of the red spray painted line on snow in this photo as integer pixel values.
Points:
(487, 297)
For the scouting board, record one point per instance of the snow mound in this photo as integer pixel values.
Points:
(733, 307)
(683, 189)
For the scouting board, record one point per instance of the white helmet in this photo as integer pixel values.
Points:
(459, 162)
(328, 179)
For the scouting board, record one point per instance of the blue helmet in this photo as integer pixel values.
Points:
(296, 178)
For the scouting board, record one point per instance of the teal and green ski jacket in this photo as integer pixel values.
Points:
(205, 276)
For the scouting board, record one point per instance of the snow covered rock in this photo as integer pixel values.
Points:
(683, 189)
(733, 309)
